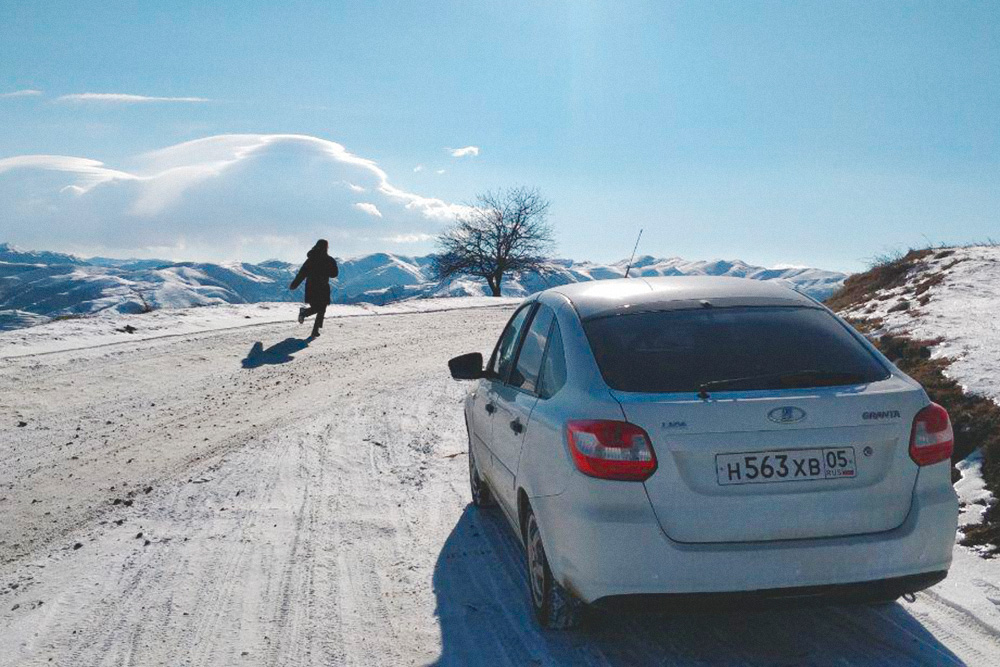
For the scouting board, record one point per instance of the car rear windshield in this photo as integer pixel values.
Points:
(729, 349)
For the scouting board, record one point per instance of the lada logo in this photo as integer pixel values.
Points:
(786, 415)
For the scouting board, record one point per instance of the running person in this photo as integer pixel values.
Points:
(317, 271)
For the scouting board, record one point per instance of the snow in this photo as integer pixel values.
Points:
(108, 327)
(16, 319)
(961, 312)
(51, 285)
(313, 509)
(973, 496)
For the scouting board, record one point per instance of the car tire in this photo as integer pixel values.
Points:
(481, 496)
(555, 607)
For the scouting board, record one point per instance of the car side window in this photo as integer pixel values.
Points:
(553, 372)
(503, 354)
(529, 359)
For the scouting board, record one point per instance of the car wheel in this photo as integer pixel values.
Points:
(555, 607)
(481, 496)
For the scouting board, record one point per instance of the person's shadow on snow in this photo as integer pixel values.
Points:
(279, 353)
(480, 582)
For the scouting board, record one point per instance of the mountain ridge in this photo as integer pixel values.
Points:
(37, 286)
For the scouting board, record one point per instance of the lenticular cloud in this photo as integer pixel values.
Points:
(214, 194)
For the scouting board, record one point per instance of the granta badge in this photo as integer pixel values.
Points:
(881, 414)
(786, 415)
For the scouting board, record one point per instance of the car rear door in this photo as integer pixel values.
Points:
(480, 415)
(484, 406)
(734, 468)
(515, 399)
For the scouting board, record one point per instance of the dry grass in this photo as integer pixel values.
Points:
(976, 421)
(886, 272)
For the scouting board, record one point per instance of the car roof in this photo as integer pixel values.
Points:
(600, 298)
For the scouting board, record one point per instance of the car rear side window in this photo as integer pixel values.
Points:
(737, 349)
(503, 355)
(529, 359)
(553, 374)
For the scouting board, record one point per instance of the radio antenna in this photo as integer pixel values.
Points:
(632, 258)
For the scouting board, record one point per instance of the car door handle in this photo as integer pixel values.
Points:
(516, 426)
(491, 408)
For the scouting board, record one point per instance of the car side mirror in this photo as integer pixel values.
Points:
(467, 366)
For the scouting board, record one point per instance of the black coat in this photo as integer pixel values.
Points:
(317, 271)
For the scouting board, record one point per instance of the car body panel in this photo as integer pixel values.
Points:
(628, 554)
(599, 298)
(479, 421)
(546, 466)
(694, 505)
(513, 407)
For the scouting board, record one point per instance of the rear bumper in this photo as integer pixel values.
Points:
(605, 542)
(865, 591)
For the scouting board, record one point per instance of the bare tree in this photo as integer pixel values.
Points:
(146, 307)
(505, 231)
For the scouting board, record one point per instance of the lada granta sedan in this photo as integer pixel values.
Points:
(668, 439)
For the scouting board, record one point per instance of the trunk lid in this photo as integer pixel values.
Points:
(698, 498)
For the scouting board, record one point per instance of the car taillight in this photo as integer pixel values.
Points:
(611, 449)
(932, 438)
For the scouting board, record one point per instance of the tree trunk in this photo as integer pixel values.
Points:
(495, 284)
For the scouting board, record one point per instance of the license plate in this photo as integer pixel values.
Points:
(793, 465)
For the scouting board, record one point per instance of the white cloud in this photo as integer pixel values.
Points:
(207, 194)
(215, 154)
(439, 171)
(88, 173)
(409, 238)
(22, 93)
(124, 98)
(467, 151)
(418, 168)
(369, 208)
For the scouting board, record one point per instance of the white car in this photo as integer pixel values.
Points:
(654, 439)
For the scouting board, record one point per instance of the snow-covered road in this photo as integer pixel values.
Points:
(308, 505)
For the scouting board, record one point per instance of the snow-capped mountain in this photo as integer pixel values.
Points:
(36, 286)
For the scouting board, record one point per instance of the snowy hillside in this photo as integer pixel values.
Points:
(941, 304)
(953, 295)
(38, 286)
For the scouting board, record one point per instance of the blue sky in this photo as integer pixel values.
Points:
(816, 133)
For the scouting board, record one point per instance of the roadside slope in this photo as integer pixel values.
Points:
(946, 294)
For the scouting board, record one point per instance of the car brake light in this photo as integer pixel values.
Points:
(611, 449)
(932, 438)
